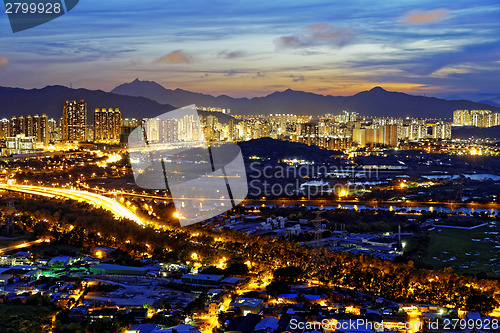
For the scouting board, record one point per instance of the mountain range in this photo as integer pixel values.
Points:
(143, 99)
(375, 102)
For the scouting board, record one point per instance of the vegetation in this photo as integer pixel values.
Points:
(26, 318)
(465, 249)
(393, 280)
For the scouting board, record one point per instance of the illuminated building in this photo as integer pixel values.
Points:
(417, 130)
(74, 121)
(28, 126)
(478, 118)
(210, 125)
(169, 130)
(4, 128)
(107, 125)
(359, 136)
(461, 118)
(481, 118)
(441, 130)
(40, 129)
(53, 130)
(19, 144)
(153, 129)
(213, 109)
(127, 126)
(495, 119)
(390, 135)
(16, 125)
(346, 117)
(189, 129)
(232, 131)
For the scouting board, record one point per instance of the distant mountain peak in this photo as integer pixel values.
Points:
(374, 102)
(377, 89)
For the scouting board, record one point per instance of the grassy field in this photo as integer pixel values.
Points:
(466, 251)
(16, 318)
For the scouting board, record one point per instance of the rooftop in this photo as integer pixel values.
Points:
(203, 277)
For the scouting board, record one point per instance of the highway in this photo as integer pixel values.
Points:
(22, 245)
(92, 198)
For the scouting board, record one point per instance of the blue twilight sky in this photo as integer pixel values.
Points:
(252, 48)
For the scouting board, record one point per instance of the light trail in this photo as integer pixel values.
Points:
(92, 198)
(22, 245)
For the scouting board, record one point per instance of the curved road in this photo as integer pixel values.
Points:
(94, 199)
(22, 245)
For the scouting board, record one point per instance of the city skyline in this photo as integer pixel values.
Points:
(254, 167)
(241, 50)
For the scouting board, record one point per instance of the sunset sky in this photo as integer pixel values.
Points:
(252, 48)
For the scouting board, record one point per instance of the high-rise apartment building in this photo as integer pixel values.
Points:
(390, 135)
(16, 126)
(107, 125)
(441, 130)
(461, 118)
(495, 119)
(169, 130)
(74, 121)
(4, 128)
(30, 126)
(478, 118)
(213, 109)
(39, 128)
(53, 130)
(481, 118)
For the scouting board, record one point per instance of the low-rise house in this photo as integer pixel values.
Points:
(110, 269)
(243, 324)
(293, 324)
(266, 325)
(61, 261)
(78, 314)
(248, 305)
(183, 328)
(103, 313)
(208, 280)
(142, 328)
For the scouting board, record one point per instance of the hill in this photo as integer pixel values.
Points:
(50, 100)
(274, 150)
(466, 132)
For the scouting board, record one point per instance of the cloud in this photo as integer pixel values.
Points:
(4, 62)
(288, 42)
(425, 16)
(231, 72)
(449, 71)
(315, 35)
(175, 57)
(297, 78)
(231, 55)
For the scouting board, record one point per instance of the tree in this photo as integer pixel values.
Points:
(287, 274)
(237, 268)
(277, 288)
(480, 303)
